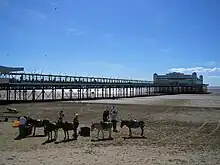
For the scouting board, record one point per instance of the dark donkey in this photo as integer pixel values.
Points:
(66, 126)
(133, 124)
(50, 128)
(35, 124)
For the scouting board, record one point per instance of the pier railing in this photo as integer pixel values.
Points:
(47, 78)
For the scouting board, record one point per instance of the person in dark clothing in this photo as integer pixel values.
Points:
(22, 126)
(106, 115)
(60, 117)
(75, 125)
(114, 118)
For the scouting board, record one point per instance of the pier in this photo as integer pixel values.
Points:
(27, 87)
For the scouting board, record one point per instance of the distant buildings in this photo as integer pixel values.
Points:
(4, 69)
(179, 83)
(177, 79)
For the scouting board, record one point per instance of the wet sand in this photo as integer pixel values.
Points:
(196, 100)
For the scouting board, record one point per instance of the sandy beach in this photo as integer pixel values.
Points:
(195, 100)
(180, 129)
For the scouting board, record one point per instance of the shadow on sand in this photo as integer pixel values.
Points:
(36, 136)
(48, 141)
(11, 112)
(105, 139)
(65, 141)
(19, 138)
(134, 137)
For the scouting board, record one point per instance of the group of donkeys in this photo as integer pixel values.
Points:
(50, 127)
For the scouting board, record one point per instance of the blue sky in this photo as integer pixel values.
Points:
(112, 38)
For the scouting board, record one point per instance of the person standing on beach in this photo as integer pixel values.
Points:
(61, 116)
(75, 125)
(22, 124)
(114, 118)
(106, 115)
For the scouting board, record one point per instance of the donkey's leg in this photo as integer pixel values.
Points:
(54, 137)
(34, 130)
(56, 134)
(110, 133)
(98, 133)
(64, 134)
(130, 133)
(48, 136)
(103, 134)
(142, 131)
(67, 135)
(44, 131)
(51, 136)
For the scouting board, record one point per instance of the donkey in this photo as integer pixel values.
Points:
(49, 128)
(66, 126)
(133, 124)
(35, 124)
(107, 126)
